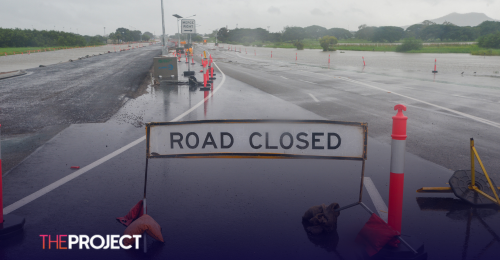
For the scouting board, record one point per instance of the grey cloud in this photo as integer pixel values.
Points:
(274, 10)
(317, 11)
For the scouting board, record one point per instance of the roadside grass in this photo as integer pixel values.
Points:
(353, 40)
(366, 47)
(24, 50)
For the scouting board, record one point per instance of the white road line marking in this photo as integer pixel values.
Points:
(20, 203)
(480, 99)
(376, 199)
(475, 118)
(308, 82)
(283, 77)
(313, 97)
(433, 111)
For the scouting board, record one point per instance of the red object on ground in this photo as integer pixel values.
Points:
(75, 167)
(133, 214)
(375, 234)
(435, 60)
(364, 64)
(396, 185)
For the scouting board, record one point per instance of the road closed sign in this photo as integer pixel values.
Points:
(314, 139)
(188, 26)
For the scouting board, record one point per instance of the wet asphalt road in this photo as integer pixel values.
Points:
(228, 209)
(34, 107)
(369, 95)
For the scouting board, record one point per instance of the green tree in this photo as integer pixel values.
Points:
(315, 32)
(327, 43)
(339, 33)
(410, 44)
(365, 32)
(298, 45)
(222, 34)
(148, 34)
(196, 38)
(491, 40)
(293, 34)
(488, 27)
(388, 34)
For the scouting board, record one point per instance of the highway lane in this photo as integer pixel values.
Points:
(220, 208)
(36, 106)
(443, 114)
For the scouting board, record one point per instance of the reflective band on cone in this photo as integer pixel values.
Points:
(398, 148)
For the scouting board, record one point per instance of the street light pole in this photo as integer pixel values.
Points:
(163, 26)
(178, 34)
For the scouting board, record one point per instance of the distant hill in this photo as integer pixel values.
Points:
(468, 19)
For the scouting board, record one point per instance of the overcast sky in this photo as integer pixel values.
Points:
(91, 16)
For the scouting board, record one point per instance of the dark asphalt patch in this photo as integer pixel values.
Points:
(84, 91)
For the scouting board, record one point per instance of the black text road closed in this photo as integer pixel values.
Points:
(257, 138)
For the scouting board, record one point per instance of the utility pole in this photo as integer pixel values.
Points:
(163, 26)
(179, 42)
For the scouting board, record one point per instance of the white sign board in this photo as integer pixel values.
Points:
(188, 26)
(316, 139)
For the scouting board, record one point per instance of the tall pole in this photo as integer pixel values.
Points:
(104, 35)
(179, 42)
(163, 26)
(190, 46)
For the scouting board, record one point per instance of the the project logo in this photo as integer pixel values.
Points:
(94, 242)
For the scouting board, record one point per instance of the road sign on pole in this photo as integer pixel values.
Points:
(188, 26)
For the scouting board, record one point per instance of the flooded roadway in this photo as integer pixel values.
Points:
(242, 208)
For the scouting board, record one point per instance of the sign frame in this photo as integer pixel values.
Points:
(188, 21)
(362, 158)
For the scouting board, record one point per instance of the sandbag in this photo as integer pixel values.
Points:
(133, 214)
(321, 219)
(143, 224)
(375, 234)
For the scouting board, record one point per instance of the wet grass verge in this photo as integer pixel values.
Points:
(25, 50)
